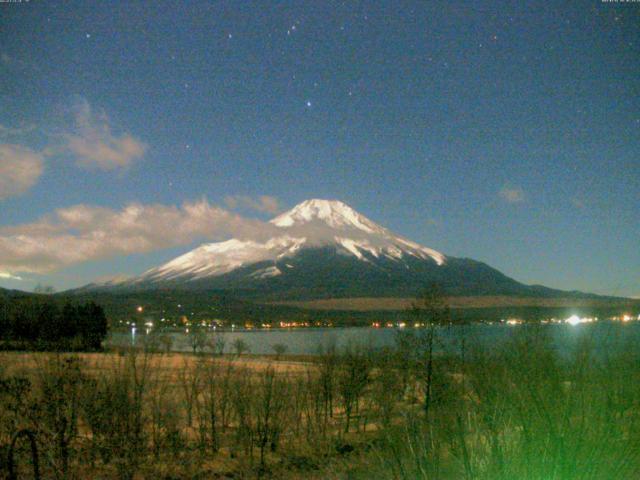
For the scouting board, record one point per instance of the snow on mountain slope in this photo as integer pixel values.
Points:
(313, 223)
(218, 258)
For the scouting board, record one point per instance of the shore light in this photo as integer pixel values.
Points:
(573, 320)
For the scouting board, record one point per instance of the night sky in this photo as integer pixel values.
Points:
(507, 132)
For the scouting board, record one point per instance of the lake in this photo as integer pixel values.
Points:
(606, 336)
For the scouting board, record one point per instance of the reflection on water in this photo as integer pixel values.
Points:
(607, 336)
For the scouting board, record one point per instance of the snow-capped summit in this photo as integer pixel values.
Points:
(334, 213)
(311, 224)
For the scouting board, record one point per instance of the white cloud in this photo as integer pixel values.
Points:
(94, 145)
(264, 203)
(8, 276)
(83, 232)
(89, 140)
(512, 194)
(20, 169)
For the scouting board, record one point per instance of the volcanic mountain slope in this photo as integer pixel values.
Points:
(325, 249)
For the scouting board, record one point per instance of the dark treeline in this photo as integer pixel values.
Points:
(43, 324)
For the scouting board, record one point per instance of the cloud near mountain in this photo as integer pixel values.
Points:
(263, 203)
(94, 145)
(20, 169)
(88, 140)
(83, 232)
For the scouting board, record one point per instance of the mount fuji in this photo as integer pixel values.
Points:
(325, 249)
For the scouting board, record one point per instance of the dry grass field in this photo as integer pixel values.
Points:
(142, 415)
(167, 365)
(521, 412)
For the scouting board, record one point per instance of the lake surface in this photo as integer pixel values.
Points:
(606, 336)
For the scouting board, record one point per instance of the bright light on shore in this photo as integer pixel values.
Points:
(575, 320)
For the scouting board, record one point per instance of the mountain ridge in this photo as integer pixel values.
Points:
(326, 250)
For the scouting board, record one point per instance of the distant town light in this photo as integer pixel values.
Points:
(573, 320)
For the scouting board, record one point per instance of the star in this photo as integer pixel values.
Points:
(88, 35)
(308, 103)
(230, 36)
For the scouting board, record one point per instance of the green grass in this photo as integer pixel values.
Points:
(526, 412)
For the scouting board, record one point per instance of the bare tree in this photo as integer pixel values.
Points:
(217, 343)
(431, 311)
(327, 379)
(214, 403)
(197, 339)
(240, 346)
(353, 377)
(189, 379)
(387, 388)
(279, 349)
(271, 397)
(242, 400)
(166, 341)
(61, 381)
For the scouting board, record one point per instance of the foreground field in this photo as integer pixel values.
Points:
(524, 412)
